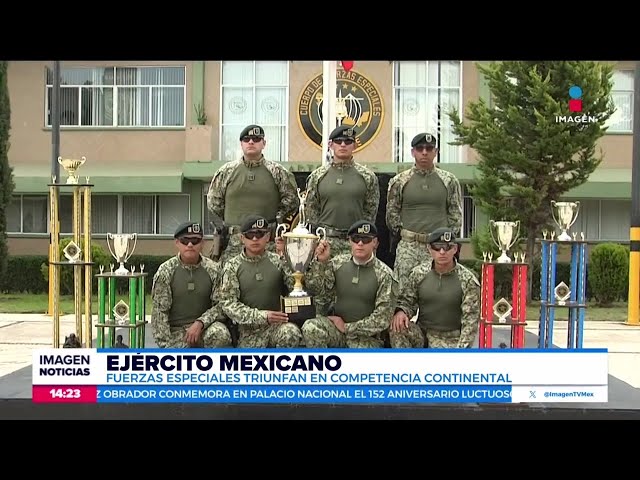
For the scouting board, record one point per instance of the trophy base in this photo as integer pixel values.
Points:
(504, 258)
(564, 237)
(122, 270)
(299, 309)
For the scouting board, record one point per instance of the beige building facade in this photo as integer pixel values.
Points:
(153, 134)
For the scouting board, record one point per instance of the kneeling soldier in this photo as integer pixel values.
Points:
(446, 296)
(185, 311)
(362, 289)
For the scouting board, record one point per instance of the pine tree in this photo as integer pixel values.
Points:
(527, 158)
(6, 175)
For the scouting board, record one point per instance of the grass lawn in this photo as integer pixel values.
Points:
(25, 303)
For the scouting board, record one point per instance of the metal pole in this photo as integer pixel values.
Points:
(55, 121)
(634, 234)
(329, 90)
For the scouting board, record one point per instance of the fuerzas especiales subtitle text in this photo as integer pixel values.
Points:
(289, 377)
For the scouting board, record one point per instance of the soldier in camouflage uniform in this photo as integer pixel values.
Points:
(420, 200)
(186, 312)
(252, 283)
(362, 292)
(342, 192)
(252, 185)
(447, 295)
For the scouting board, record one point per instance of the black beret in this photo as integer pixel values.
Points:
(422, 139)
(363, 227)
(343, 131)
(188, 227)
(252, 131)
(442, 235)
(255, 222)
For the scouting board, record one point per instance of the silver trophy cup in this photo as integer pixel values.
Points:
(565, 215)
(123, 246)
(504, 237)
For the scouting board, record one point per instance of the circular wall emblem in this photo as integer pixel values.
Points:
(358, 102)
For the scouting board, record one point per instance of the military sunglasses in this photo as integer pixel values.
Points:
(345, 141)
(421, 148)
(190, 240)
(252, 138)
(442, 246)
(365, 239)
(255, 234)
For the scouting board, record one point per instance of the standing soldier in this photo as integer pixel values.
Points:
(362, 290)
(342, 192)
(251, 185)
(185, 310)
(252, 284)
(446, 296)
(419, 201)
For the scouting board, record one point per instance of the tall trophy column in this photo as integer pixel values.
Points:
(555, 295)
(128, 313)
(77, 252)
(503, 313)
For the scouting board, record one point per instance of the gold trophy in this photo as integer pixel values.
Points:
(567, 214)
(504, 238)
(300, 246)
(71, 167)
(123, 246)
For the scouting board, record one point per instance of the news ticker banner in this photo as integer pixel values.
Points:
(320, 376)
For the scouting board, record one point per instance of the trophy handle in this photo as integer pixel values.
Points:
(322, 233)
(110, 237)
(281, 228)
(492, 225)
(135, 242)
(553, 214)
(516, 236)
(575, 216)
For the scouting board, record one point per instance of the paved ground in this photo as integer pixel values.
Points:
(21, 334)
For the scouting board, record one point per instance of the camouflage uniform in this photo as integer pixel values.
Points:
(450, 324)
(254, 201)
(338, 279)
(412, 250)
(250, 280)
(169, 325)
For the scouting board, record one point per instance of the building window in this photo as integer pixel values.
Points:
(28, 214)
(468, 213)
(604, 220)
(119, 97)
(622, 95)
(254, 93)
(424, 93)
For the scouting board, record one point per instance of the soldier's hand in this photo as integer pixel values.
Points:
(323, 251)
(275, 318)
(337, 321)
(279, 241)
(192, 335)
(400, 322)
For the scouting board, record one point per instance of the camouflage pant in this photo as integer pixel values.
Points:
(215, 336)
(235, 247)
(409, 255)
(284, 335)
(414, 337)
(320, 332)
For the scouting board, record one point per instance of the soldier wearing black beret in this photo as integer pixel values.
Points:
(361, 292)
(252, 284)
(186, 312)
(444, 294)
(250, 185)
(341, 191)
(420, 200)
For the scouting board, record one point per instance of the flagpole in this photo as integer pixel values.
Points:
(329, 88)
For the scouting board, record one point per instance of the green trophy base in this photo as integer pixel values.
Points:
(299, 309)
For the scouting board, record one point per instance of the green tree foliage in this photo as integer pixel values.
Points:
(527, 158)
(6, 172)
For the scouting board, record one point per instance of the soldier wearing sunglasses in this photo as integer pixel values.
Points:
(252, 283)
(361, 288)
(419, 201)
(251, 185)
(341, 192)
(444, 294)
(186, 312)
